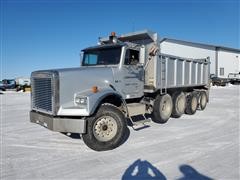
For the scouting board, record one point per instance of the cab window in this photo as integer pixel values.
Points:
(131, 57)
(101, 56)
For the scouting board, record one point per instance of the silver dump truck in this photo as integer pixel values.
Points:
(120, 78)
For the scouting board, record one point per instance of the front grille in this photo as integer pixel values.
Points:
(43, 92)
(42, 96)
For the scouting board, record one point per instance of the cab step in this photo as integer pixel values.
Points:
(140, 122)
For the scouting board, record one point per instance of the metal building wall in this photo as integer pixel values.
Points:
(229, 61)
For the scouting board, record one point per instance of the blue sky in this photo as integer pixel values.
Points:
(48, 34)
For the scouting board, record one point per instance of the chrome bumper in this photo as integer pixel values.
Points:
(59, 124)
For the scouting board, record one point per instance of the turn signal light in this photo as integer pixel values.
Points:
(95, 89)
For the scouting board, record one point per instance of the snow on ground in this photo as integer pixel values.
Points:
(204, 145)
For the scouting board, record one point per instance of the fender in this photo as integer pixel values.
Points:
(95, 99)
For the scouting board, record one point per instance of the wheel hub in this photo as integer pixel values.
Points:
(105, 128)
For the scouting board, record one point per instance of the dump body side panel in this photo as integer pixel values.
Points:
(174, 72)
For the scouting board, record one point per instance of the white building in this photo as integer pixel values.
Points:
(224, 60)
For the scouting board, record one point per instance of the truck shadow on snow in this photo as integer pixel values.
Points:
(72, 135)
(145, 170)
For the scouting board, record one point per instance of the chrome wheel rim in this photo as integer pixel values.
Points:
(105, 128)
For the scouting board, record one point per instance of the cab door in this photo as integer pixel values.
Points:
(132, 75)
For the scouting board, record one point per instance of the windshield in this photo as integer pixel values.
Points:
(109, 56)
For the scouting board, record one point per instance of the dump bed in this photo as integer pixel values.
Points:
(167, 71)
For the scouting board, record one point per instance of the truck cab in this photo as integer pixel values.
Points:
(125, 63)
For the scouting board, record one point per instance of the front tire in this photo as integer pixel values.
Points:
(162, 108)
(105, 130)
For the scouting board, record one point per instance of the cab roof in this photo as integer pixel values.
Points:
(105, 46)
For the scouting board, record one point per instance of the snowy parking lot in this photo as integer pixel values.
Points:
(200, 146)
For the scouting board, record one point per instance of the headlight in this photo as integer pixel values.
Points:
(81, 101)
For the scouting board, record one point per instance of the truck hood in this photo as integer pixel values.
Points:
(77, 80)
(85, 77)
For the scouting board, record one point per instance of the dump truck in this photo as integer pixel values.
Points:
(120, 78)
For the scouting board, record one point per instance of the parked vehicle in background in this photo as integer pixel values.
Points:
(2, 88)
(22, 83)
(234, 78)
(15, 84)
(119, 79)
(9, 84)
(217, 81)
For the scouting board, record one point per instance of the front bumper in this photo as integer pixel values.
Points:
(59, 124)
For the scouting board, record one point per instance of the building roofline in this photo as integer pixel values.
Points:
(201, 44)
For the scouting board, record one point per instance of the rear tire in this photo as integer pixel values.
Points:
(202, 100)
(192, 103)
(179, 104)
(162, 108)
(106, 129)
